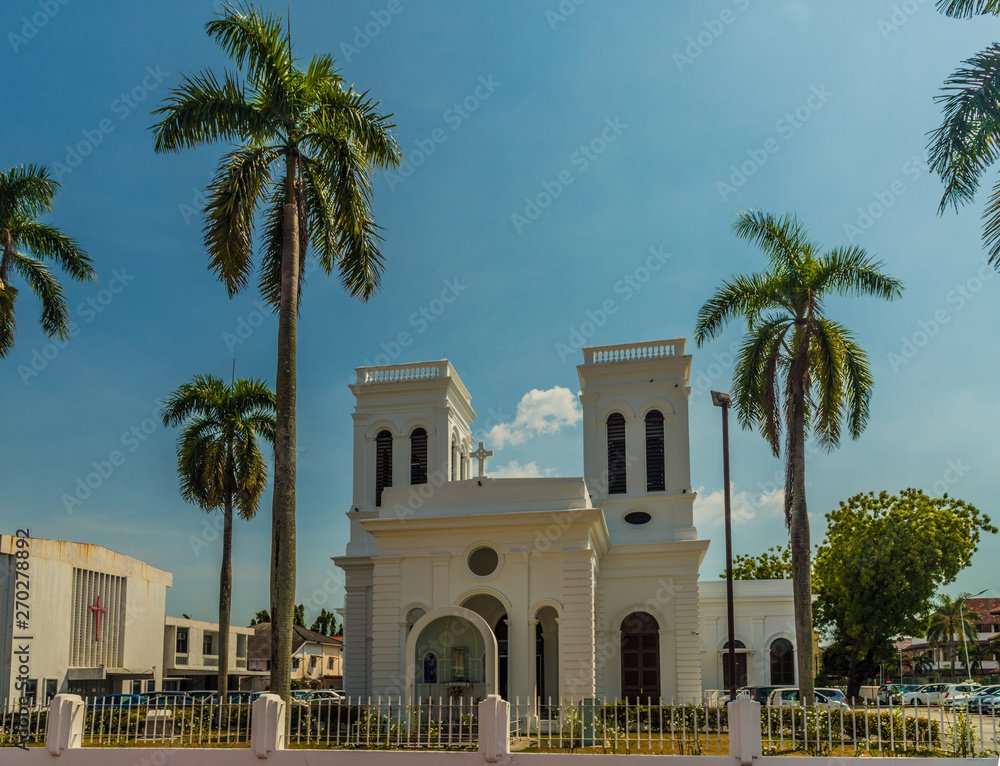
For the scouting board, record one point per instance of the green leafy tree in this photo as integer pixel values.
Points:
(978, 654)
(299, 618)
(947, 621)
(260, 618)
(325, 623)
(883, 559)
(798, 370)
(306, 148)
(221, 466)
(965, 144)
(773, 564)
(26, 193)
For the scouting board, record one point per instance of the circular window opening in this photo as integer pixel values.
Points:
(483, 561)
(637, 518)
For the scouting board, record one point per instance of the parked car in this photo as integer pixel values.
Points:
(324, 697)
(930, 694)
(984, 700)
(756, 693)
(204, 697)
(958, 694)
(118, 701)
(168, 699)
(893, 693)
(241, 698)
(828, 698)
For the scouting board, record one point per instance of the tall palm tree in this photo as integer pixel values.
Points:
(948, 620)
(306, 147)
(797, 370)
(922, 663)
(220, 465)
(26, 193)
(964, 145)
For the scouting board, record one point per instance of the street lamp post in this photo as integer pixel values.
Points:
(722, 400)
(961, 626)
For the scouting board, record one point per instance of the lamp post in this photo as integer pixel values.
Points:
(961, 625)
(722, 400)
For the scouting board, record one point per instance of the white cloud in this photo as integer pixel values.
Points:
(514, 470)
(710, 509)
(538, 412)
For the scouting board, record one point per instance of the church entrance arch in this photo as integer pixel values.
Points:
(494, 613)
(546, 659)
(451, 652)
(640, 650)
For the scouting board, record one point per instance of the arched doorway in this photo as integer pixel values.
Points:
(546, 659)
(741, 665)
(451, 652)
(782, 663)
(640, 652)
(493, 611)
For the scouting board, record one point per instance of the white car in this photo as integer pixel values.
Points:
(926, 695)
(325, 697)
(958, 694)
(825, 698)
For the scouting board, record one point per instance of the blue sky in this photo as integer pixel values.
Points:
(552, 150)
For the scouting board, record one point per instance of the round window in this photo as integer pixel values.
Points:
(637, 518)
(483, 561)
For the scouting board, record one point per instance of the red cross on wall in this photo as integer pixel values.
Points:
(98, 610)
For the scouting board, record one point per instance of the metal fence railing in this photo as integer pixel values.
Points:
(194, 724)
(22, 724)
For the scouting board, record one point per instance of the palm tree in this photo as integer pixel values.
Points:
(922, 663)
(26, 193)
(798, 370)
(306, 147)
(325, 623)
(221, 466)
(964, 145)
(946, 621)
(978, 654)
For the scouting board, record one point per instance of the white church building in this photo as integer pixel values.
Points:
(461, 585)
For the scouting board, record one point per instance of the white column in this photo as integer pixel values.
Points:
(387, 675)
(635, 455)
(401, 460)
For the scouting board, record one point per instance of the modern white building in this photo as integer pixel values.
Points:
(459, 584)
(94, 620)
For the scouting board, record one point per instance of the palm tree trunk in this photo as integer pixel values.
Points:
(798, 531)
(225, 598)
(283, 506)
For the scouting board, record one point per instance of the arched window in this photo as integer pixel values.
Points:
(655, 479)
(383, 464)
(430, 668)
(454, 459)
(640, 651)
(741, 665)
(616, 454)
(418, 456)
(782, 663)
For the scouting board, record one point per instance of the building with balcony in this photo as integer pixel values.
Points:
(459, 584)
(317, 660)
(191, 655)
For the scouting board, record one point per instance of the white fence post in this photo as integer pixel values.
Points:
(494, 728)
(65, 726)
(744, 730)
(267, 730)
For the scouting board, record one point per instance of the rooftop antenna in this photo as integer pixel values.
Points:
(234, 371)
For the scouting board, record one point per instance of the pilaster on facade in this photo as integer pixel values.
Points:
(386, 676)
(576, 625)
(688, 643)
(357, 624)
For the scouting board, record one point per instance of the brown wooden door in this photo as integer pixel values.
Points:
(640, 657)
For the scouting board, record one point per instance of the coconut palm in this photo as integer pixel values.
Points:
(220, 465)
(948, 620)
(798, 370)
(306, 148)
(965, 144)
(26, 193)
(922, 663)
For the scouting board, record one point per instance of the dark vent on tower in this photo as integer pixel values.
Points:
(616, 454)
(418, 456)
(655, 480)
(383, 464)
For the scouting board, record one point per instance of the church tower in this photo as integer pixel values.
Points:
(636, 448)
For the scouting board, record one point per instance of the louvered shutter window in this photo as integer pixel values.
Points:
(383, 464)
(616, 454)
(418, 456)
(655, 480)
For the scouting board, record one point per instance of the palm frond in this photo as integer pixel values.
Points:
(8, 319)
(55, 312)
(858, 385)
(783, 240)
(271, 246)
(966, 142)
(258, 44)
(966, 9)
(201, 110)
(26, 192)
(47, 242)
(354, 116)
(756, 379)
(746, 295)
(850, 271)
(233, 197)
(827, 384)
